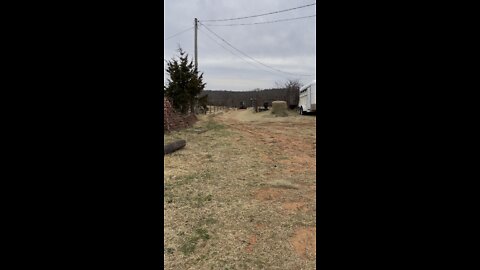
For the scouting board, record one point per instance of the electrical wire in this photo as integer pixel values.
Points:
(250, 56)
(207, 35)
(282, 20)
(239, 18)
(179, 33)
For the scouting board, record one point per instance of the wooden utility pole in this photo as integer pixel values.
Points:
(196, 52)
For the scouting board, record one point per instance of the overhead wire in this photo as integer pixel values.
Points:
(208, 35)
(282, 20)
(264, 14)
(228, 43)
(181, 32)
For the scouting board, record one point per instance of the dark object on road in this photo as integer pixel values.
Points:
(265, 104)
(174, 146)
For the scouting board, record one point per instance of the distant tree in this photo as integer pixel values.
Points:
(292, 87)
(289, 84)
(185, 83)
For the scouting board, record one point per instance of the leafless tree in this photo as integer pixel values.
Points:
(292, 87)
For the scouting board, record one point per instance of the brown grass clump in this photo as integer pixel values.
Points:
(283, 184)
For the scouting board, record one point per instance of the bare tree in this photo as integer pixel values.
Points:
(293, 84)
(292, 87)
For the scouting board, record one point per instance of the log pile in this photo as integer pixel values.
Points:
(173, 120)
(167, 114)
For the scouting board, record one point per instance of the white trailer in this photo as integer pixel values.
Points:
(308, 98)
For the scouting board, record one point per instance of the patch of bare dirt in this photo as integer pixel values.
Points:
(304, 242)
(268, 194)
(252, 240)
(299, 163)
(260, 226)
(293, 206)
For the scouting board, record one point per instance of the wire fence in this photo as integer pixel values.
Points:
(211, 109)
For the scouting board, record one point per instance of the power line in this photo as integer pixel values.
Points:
(239, 18)
(179, 33)
(206, 34)
(282, 20)
(250, 56)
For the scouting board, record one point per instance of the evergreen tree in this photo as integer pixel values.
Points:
(185, 83)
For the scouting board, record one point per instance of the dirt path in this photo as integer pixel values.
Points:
(292, 137)
(242, 194)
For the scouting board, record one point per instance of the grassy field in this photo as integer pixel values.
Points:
(241, 194)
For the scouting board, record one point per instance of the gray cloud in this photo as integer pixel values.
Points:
(288, 46)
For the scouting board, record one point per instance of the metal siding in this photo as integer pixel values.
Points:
(314, 93)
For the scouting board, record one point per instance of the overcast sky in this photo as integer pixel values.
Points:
(289, 46)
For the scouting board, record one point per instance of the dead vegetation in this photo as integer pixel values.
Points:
(241, 193)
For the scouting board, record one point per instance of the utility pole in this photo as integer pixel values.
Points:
(196, 52)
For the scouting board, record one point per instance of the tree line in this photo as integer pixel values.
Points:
(185, 89)
(234, 98)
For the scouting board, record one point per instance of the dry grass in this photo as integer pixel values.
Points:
(214, 215)
(283, 184)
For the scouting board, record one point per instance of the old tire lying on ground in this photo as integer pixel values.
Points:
(174, 146)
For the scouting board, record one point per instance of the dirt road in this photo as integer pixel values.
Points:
(241, 195)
